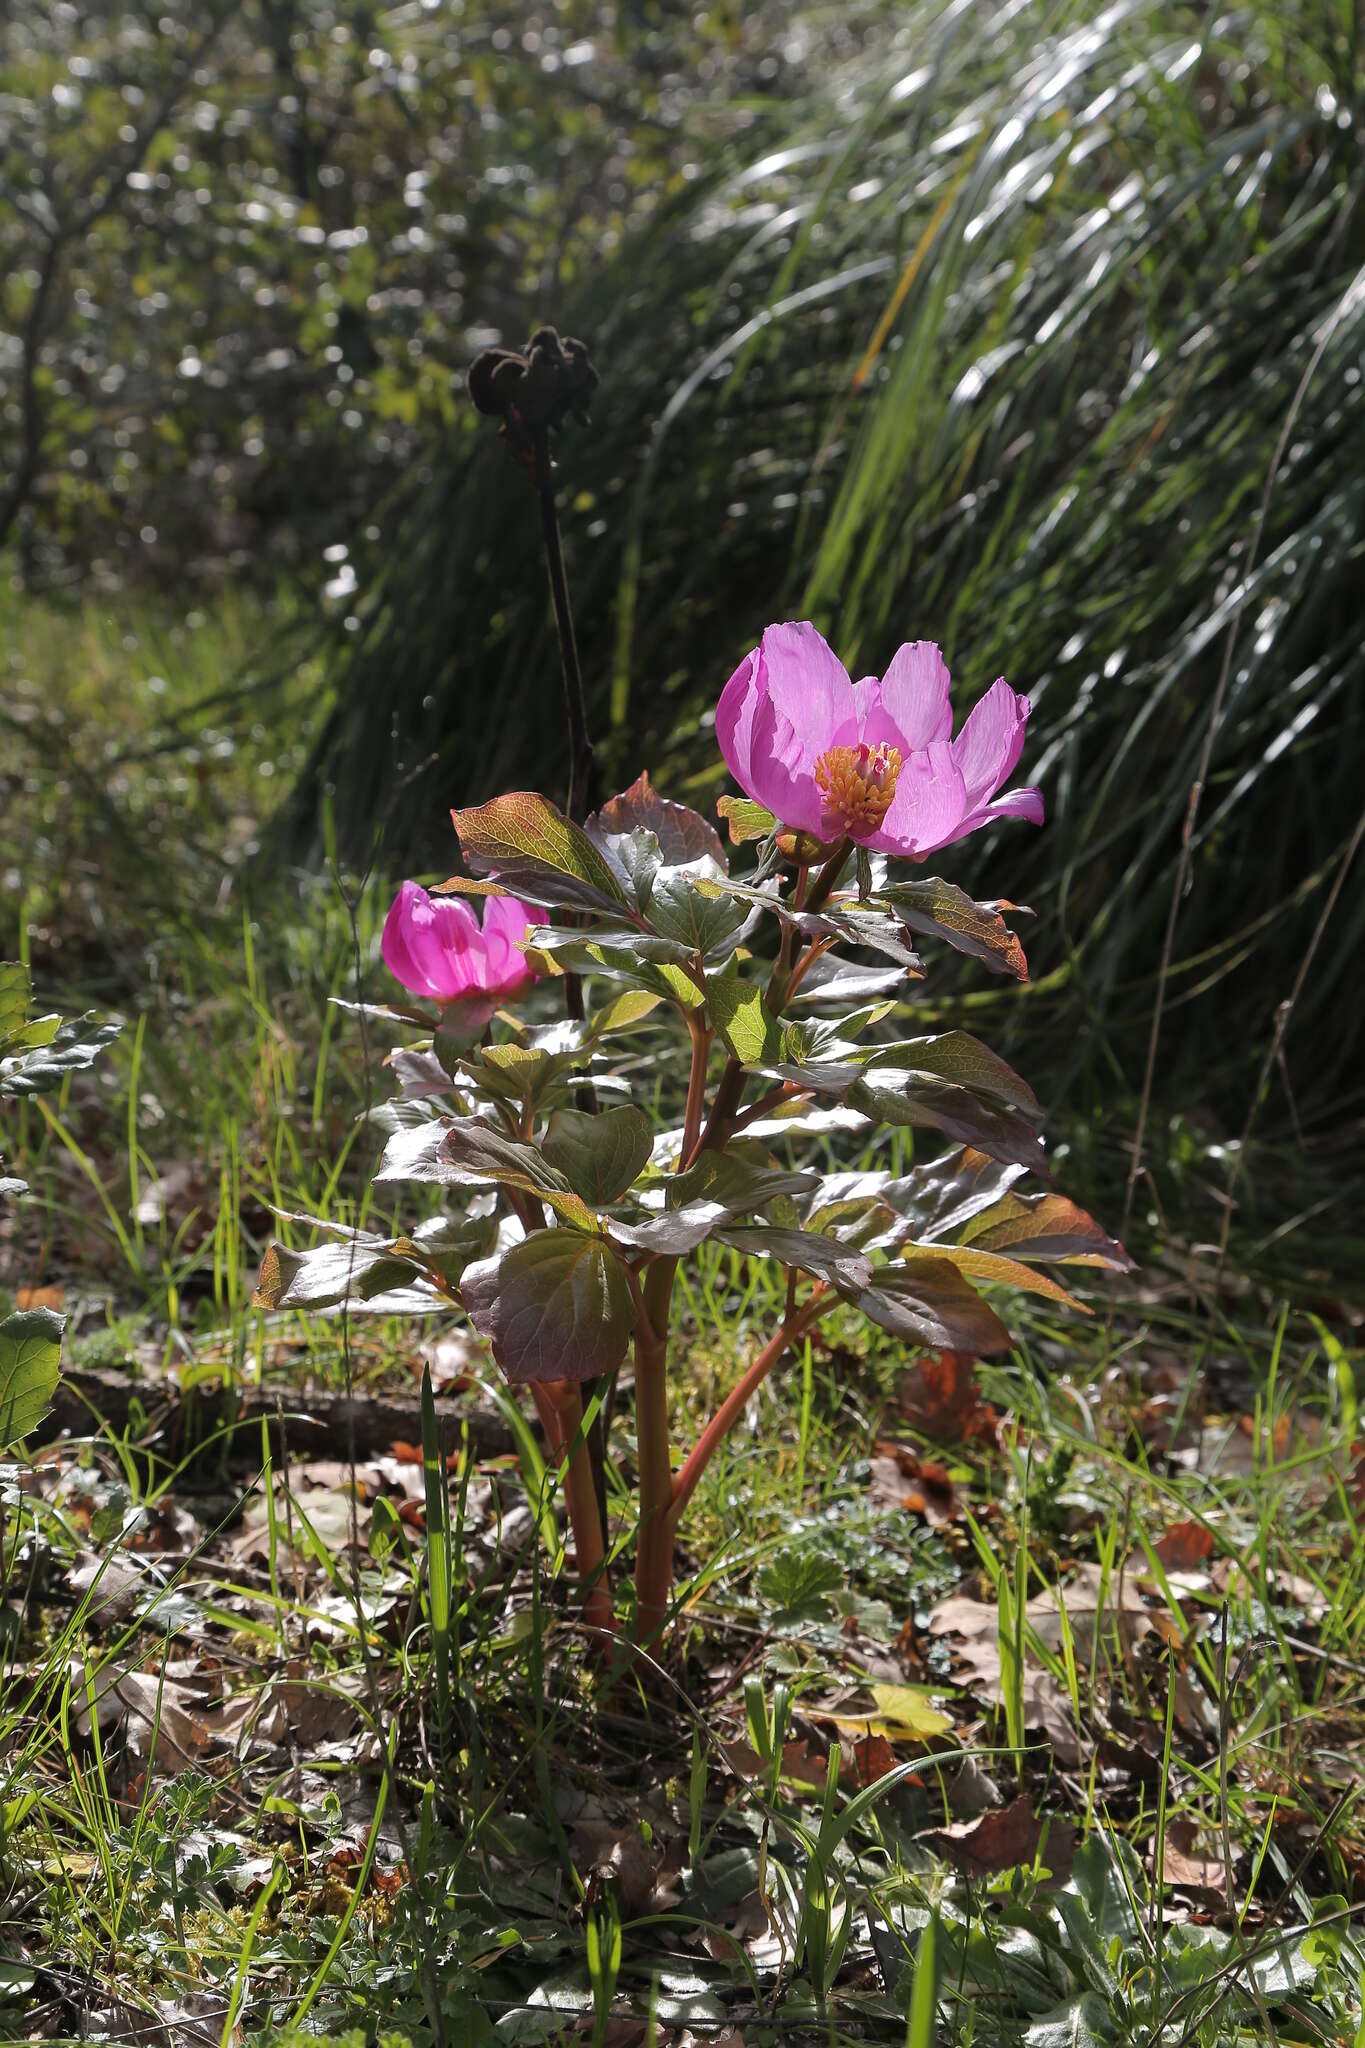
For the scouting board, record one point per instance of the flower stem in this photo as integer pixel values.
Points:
(696, 1088)
(816, 1304)
(580, 1495)
(654, 1555)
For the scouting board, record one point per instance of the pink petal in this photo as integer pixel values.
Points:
(911, 707)
(991, 742)
(929, 805)
(809, 690)
(1015, 803)
(506, 921)
(735, 720)
(434, 948)
(784, 706)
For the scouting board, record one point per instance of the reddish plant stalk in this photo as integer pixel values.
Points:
(560, 1403)
(817, 1304)
(696, 1088)
(654, 1551)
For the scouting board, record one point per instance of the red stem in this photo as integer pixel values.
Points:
(564, 1402)
(654, 1554)
(696, 1088)
(817, 1304)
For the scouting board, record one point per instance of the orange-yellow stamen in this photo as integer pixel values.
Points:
(857, 784)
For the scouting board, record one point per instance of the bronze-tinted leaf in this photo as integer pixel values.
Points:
(936, 909)
(683, 834)
(1045, 1226)
(538, 853)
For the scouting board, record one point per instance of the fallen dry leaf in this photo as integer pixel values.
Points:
(939, 1398)
(40, 1297)
(900, 1478)
(1189, 1870)
(864, 1761)
(1185, 1546)
(800, 1763)
(902, 1713)
(1003, 1840)
(604, 1853)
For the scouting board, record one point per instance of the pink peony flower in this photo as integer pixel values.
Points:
(869, 761)
(435, 947)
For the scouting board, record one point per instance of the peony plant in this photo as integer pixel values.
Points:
(783, 989)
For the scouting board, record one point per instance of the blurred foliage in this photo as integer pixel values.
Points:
(248, 247)
(1000, 325)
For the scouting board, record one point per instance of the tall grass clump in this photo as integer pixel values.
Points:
(993, 337)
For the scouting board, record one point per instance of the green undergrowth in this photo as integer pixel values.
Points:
(1020, 1706)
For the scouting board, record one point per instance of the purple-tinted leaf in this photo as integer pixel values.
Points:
(555, 1307)
(478, 1151)
(941, 1197)
(538, 853)
(806, 1250)
(933, 1306)
(895, 1095)
(957, 1056)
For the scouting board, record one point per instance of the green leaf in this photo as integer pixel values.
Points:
(737, 1182)
(30, 1362)
(957, 1056)
(931, 1305)
(936, 909)
(749, 1030)
(538, 853)
(1085, 2022)
(796, 1581)
(623, 1013)
(478, 1151)
(602, 1155)
(705, 923)
(16, 995)
(518, 1073)
(990, 1268)
(73, 1045)
(556, 1306)
(746, 819)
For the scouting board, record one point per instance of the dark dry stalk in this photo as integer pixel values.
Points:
(580, 746)
(576, 808)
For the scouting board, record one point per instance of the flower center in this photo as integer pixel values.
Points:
(857, 784)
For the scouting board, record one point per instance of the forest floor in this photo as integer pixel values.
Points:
(1019, 1704)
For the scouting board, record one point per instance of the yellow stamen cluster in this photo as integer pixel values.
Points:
(857, 784)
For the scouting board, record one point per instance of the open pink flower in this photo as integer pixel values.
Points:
(869, 761)
(435, 947)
